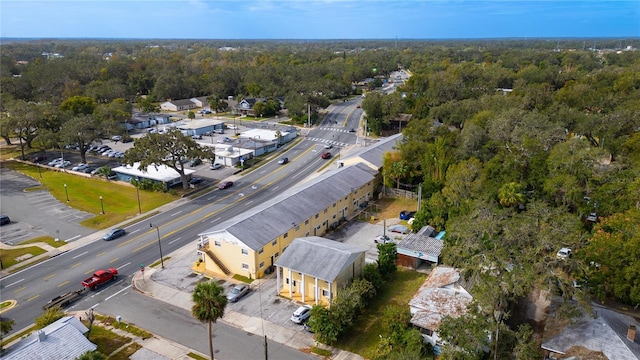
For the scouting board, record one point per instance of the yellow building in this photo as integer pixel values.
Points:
(313, 269)
(249, 244)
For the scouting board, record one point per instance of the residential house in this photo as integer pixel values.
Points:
(146, 121)
(61, 340)
(419, 248)
(250, 243)
(160, 174)
(602, 332)
(440, 295)
(178, 105)
(200, 101)
(314, 269)
(245, 107)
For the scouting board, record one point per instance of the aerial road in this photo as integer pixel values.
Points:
(167, 231)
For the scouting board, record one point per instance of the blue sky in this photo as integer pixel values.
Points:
(328, 19)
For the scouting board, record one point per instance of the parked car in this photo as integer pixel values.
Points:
(4, 220)
(55, 161)
(406, 215)
(37, 159)
(216, 166)
(80, 167)
(224, 140)
(326, 155)
(127, 139)
(283, 160)
(116, 138)
(196, 181)
(231, 126)
(218, 131)
(113, 234)
(196, 137)
(564, 253)
(195, 162)
(401, 229)
(352, 130)
(63, 164)
(382, 239)
(225, 185)
(301, 314)
(237, 292)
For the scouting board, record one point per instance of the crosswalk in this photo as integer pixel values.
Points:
(338, 129)
(325, 141)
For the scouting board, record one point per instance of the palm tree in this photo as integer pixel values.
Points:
(510, 194)
(209, 302)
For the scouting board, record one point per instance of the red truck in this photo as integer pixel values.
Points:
(100, 277)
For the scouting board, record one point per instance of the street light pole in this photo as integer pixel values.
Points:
(159, 244)
(66, 192)
(101, 205)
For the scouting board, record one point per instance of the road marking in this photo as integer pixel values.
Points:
(171, 242)
(113, 260)
(76, 265)
(95, 306)
(211, 198)
(49, 277)
(125, 289)
(121, 266)
(13, 283)
(134, 231)
(100, 254)
(176, 213)
(77, 256)
(33, 297)
(64, 283)
(90, 271)
(249, 202)
(18, 290)
(73, 238)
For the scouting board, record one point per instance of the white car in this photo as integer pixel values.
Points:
(63, 164)
(55, 162)
(301, 314)
(80, 167)
(231, 126)
(564, 253)
(328, 146)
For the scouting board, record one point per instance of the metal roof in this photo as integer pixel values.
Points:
(421, 246)
(439, 296)
(159, 173)
(319, 257)
(267, 221)
(374, 154)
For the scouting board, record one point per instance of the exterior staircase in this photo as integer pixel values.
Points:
(215, 259)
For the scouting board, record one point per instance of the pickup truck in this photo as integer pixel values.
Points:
(100, 277)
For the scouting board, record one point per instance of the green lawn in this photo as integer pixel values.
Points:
(120, 201)
(8, 256)
(365, 335)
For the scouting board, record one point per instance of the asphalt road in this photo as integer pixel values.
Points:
(33, 287)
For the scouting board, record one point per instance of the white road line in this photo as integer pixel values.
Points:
(249, 202)
(134, 231)
(77, 256)
(211, 198)
(13, 283)
(171, 242)
(116, 294)
(176, 213)
(122, 266)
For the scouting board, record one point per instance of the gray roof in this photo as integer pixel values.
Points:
(606, 332)
(181, 102)
(329, 257)
(374, 154)
(61, 340)
(265, 222)
(427, 246)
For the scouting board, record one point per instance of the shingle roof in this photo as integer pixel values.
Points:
(61, 340)
(374, 154)
(265, 222)
(181, 102)
(427, 247)
(319, 257)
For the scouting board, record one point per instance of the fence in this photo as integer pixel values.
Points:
(399, 193)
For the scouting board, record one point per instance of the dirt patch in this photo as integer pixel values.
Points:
(583, 354)
(389, 208)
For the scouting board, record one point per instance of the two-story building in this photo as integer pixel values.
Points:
(249, 244)
(313, 269)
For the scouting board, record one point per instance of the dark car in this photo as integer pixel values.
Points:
(283, 161)
(4, 220)
(237, 292)
(114, 234)
(326, 155)
(352, 130)
(195, 162)
(225, 184)
(196, 181)
(37, 159)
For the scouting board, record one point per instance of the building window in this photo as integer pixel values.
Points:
(274, 242)
(334, 204)
(286, 235)
(261, 251)
(325, 293)
(306, 222)
(245, 252)
(334, 216)
(261, 265)
(286, 280)
(217, 243)
(276, 255)
(294, 283)
(317, 215)
(297, 227)
(245, 266)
